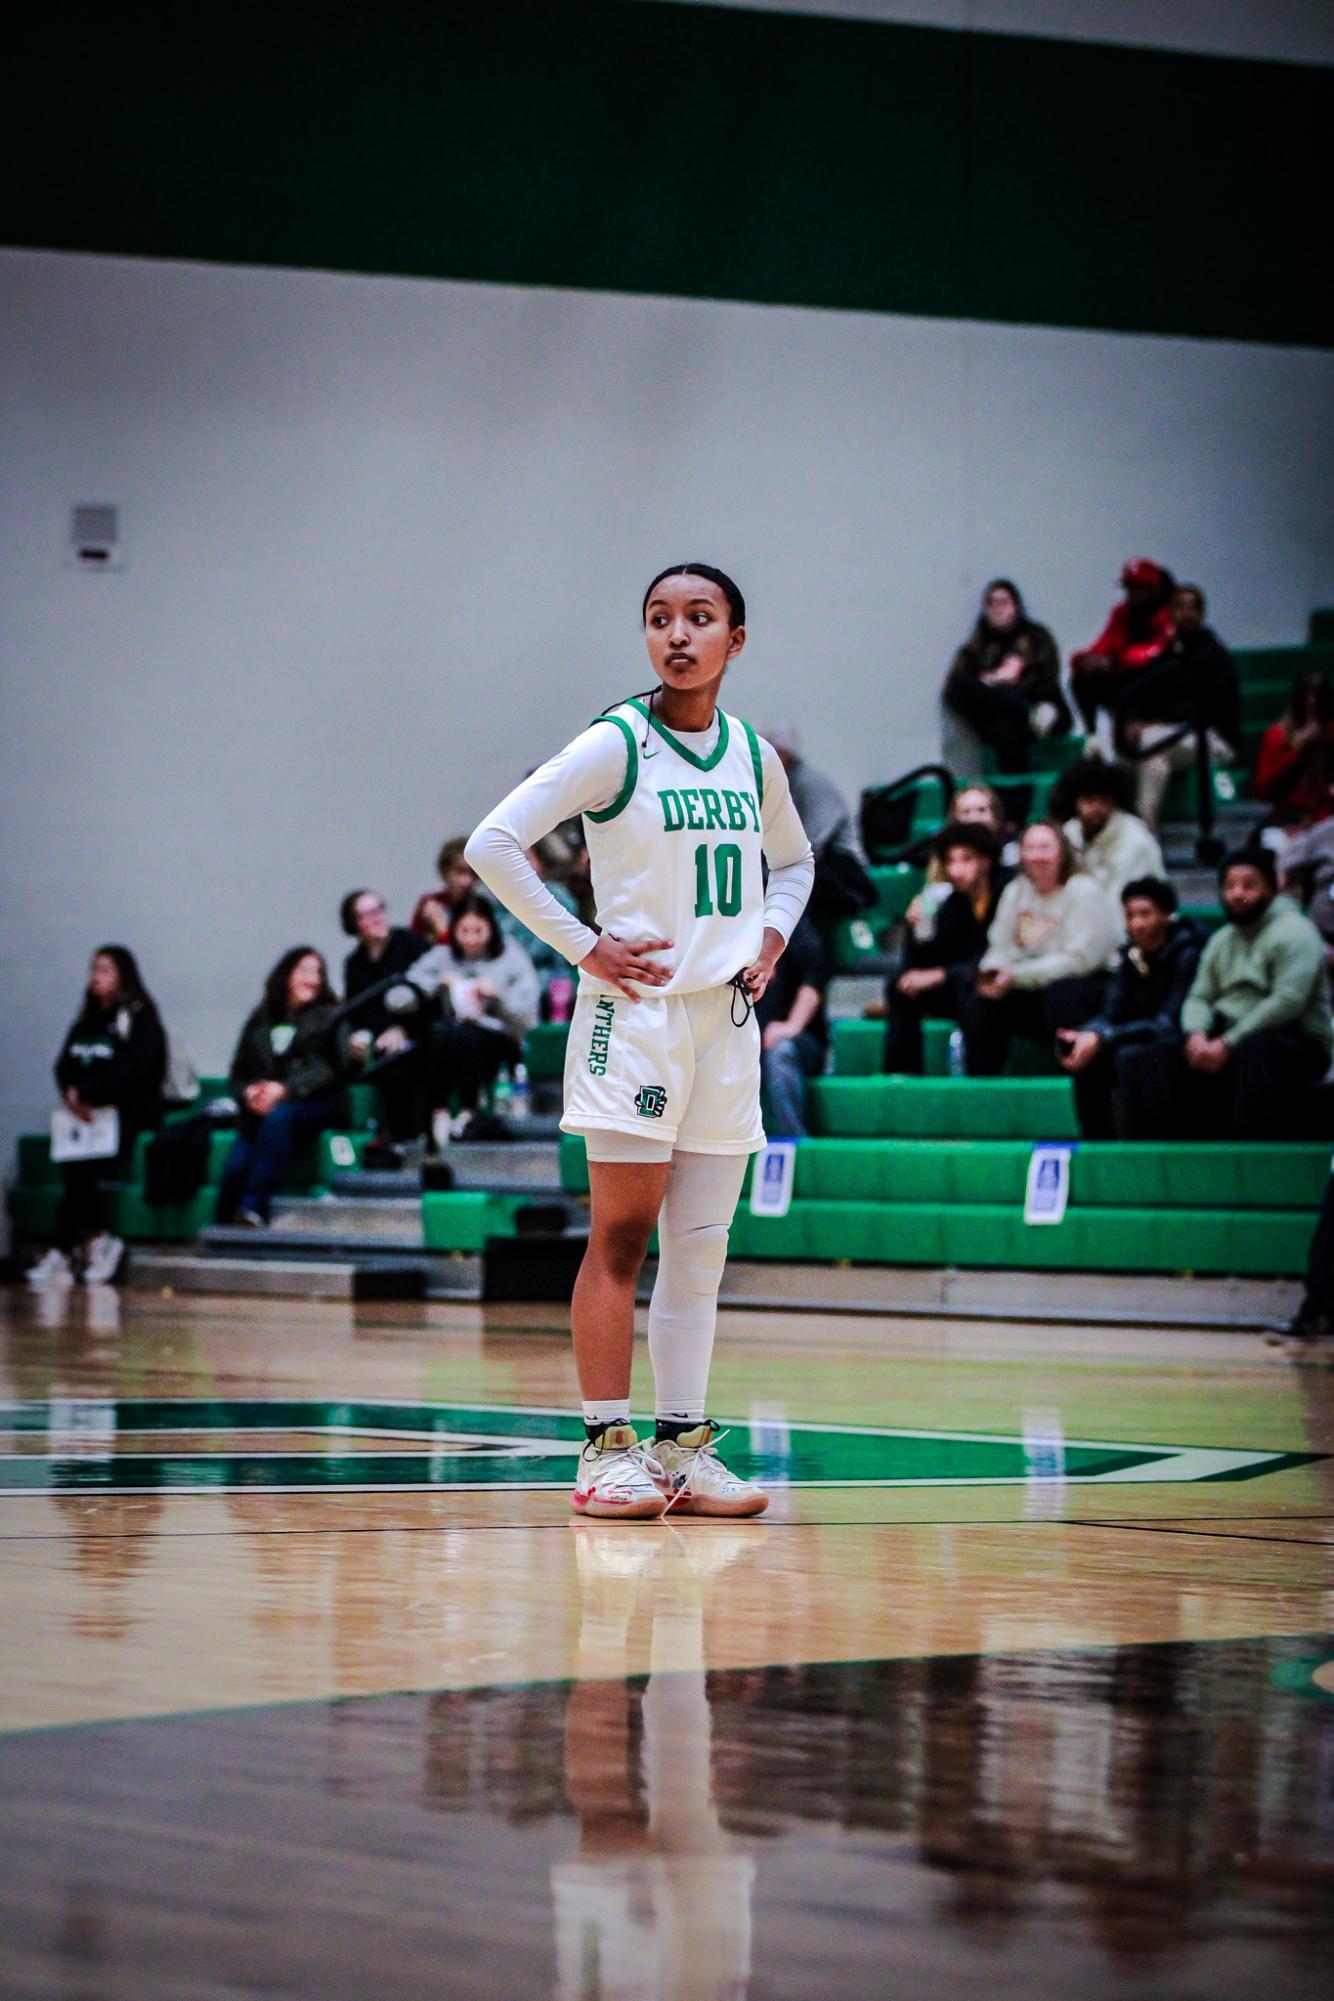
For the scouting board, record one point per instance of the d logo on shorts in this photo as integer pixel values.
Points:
(650, 1101)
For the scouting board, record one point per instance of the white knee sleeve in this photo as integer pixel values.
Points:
(697, 1211)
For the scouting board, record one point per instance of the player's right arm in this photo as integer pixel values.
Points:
(584, 777)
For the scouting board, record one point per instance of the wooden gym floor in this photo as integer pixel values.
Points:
(311, 1686)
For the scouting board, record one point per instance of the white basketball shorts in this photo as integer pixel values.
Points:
(674, 1068)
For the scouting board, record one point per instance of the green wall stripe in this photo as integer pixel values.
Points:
(699, 152)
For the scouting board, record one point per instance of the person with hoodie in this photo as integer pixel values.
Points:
(1255, 1027)
(1114, 846)
(1193, 681)
(493, 999)
(1048, 949)
(287, 1075)
(1005, 681)
(1136, 634)
(114, 1055)
(1143, 1002)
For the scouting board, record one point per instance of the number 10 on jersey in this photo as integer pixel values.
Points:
(718, 886)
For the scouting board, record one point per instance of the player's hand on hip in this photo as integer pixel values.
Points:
(616, 960)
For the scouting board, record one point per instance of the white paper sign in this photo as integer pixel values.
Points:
(772, 1178)
(1048, 1188)
(97, 1138)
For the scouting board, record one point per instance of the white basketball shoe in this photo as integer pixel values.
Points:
(696, 1480)
(619, 1479)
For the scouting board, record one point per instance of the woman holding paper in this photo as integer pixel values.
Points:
(113, 1059)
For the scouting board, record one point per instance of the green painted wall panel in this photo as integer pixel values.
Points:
(708, 153)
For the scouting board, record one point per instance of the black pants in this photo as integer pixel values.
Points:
(464, 1058)
(1257, 1096)
(400, 1085)
(1098, 1092)
(989, 1026)
(1320, 1259)
(84, 1202)
(1100, 688)
(998, 715)
(903, 1034)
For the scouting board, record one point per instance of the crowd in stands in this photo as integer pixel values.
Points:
(1061, 931)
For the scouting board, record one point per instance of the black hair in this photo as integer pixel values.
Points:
(347, 911)
(1090, 778)
(133, 992)
(276, 1004)
(1153, 890)
(1302, 685)
(1195, 592)
(736, 604)
(476, 906)
(966, 834)
(1258, 858)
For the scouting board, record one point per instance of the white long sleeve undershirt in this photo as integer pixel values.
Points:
(585, 777)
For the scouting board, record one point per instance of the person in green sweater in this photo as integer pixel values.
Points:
(1255, 1026)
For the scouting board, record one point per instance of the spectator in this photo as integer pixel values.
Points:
(1295, 766)
(947, 935)
(978, 806)
(793, 1033)
(1154, 970)
(493, 997)
(115, 1054)
(458, 881)
(1135, 635)
(1047, 951)
(1255, 1027)
(1112, 845)
(1306, 870)
(1195, 678)
(381, 1036)
(286, 1075)
(1005, 682)
(842, 886)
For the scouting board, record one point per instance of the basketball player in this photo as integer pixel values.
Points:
(679, 801)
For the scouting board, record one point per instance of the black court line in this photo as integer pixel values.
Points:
(691, 1521)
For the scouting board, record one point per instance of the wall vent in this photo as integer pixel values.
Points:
(94, 537)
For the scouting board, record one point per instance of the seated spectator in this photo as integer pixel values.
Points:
(458, 881)
(287, 1077)
(1194, 678)
(1255, 1028)
(947, 935)
(1112, 845)
(492, 1000)
(842, 885)
(1294, 771)
(115, 1054)
(794, 1036)
(1135, 635)
(393, 1045)
(1045, 966)
(1153, 975)
(1005, 682)
(1306, 874)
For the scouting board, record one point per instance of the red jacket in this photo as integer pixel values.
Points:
(1128, 655)
(1279, 781)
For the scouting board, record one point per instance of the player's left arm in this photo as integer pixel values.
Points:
(791, 870)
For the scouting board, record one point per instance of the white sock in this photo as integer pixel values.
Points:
(600, 1412)
(697, 1210)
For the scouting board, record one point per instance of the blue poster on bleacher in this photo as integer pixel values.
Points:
(1048, 1184)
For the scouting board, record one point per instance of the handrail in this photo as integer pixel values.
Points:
(916, 846)
(1208, 847)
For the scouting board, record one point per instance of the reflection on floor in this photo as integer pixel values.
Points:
(1029, 1737)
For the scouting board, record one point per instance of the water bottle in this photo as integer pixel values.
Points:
(521, 1098)
(957, 1066)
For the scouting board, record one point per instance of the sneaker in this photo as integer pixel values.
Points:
(103, 1260)
(249, 1219)
(1043, 718)
(462, 1124)
(619, 1479)
(697, 1482)
(52, 1270)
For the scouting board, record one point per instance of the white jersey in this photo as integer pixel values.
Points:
(676, 827)
(678, 852)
